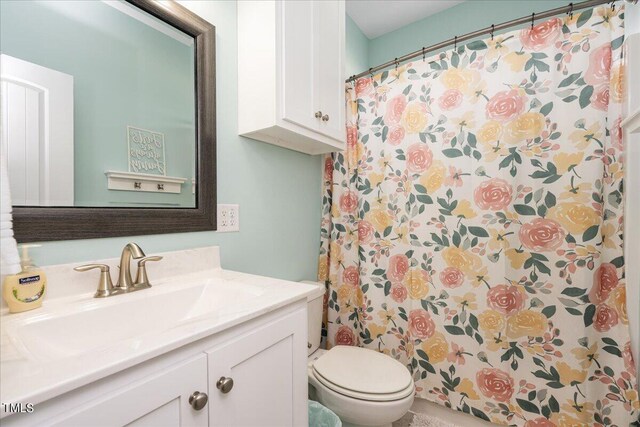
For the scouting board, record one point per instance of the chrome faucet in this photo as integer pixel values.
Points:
(125, 281)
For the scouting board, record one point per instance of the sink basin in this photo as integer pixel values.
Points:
(100, 323)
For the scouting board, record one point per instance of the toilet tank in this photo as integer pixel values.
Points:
(314, 309)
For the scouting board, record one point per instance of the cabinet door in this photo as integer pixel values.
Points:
(268, 369)
(329, 64)
(297, 77)
(158, 400)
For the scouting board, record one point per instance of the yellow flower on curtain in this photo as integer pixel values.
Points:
(570, 376)
(491, 321)
(464, 210)
(517, 257)
(416, 283)
(466, 261)
(575, 217)
(564, 161)
(491, 131)
(466, 387)
(517, 60)
(436, 348)
(323, 268)
(460, 79)
(524, 127)
(414, 118)
(433, 178)
(526, 323)
(375, 179)
(380, 219)
(376, 330)
(583, 136)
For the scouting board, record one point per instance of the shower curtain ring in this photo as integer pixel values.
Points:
(570, 10)
(493, 28)
(533, 18)
(423, 55)
(371, 72)
(396, 61)
(613, 6)
(455, 43)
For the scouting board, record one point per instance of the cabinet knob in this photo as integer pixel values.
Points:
(225, 384)
(198, 400)
(325, 118)
(318, 114)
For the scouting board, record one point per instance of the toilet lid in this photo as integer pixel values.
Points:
(362, 371)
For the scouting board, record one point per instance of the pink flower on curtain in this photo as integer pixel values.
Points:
(451, 277)
(352, 137)
(495, 383)
(351, 276)
(600, 97)
(395, 108)
(421, 325)
(604, 318)
(605, 279)
(398, 267)
(398, 292)
(494, 194)
(629, 362)
(450, 99)
(365, 231)
(363, 86)
(506, 299)
(541, 235)
(345, 336)
(616, 134)
(328, 168)
(505, 106)
(348, 202)
(419, 158)
(539, 422)
(541, 36)
(396, 135)
(599, 66)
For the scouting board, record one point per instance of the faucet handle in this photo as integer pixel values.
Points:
(142, 280)
(105, 285)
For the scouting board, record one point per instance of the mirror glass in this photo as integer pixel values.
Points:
(98, 106)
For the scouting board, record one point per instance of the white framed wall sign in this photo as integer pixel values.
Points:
(146, 151)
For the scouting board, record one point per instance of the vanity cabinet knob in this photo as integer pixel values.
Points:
(318, 114)
(325, 118)
(198, 400)
(225, 384)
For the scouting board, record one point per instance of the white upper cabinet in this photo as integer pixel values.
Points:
(291, 73)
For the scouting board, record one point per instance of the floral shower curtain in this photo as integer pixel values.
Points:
(473, 227)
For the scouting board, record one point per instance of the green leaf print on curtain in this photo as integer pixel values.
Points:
(473, 227)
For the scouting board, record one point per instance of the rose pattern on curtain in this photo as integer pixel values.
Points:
(473, 227)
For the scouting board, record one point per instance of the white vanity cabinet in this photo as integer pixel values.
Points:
(291, 79)
(265, 357)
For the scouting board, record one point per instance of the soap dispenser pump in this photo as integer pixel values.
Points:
(25, 291)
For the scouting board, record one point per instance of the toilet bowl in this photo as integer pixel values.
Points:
(363, 387)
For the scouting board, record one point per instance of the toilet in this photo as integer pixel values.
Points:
(363, 387)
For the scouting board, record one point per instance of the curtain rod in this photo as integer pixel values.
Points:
(570, 8)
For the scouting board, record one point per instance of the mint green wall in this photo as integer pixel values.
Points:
(278, 190)
(463, 18)
(357, 49)
(125, 73)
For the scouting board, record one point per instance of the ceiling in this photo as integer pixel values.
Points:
(378, 17)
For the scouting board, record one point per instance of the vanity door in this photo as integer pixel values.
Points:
(155, 401)
(260, 379)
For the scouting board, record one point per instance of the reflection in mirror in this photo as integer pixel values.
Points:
(98, 106)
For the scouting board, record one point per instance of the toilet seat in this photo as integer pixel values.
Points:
(363, 374)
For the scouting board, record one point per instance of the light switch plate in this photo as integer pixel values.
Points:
(228, 218)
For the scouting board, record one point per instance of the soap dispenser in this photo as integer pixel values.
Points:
(25, 291)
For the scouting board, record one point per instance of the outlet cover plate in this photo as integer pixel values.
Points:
(228, 218)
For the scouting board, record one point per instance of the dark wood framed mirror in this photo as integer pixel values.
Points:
(35, 223)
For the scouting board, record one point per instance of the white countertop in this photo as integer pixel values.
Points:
(37, 373)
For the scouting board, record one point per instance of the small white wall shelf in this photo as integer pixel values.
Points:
(632, 123)
(131, 181)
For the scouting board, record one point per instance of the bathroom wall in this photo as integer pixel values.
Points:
(463, 18)
(357, 49)
(109, 54)
(278, 190)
